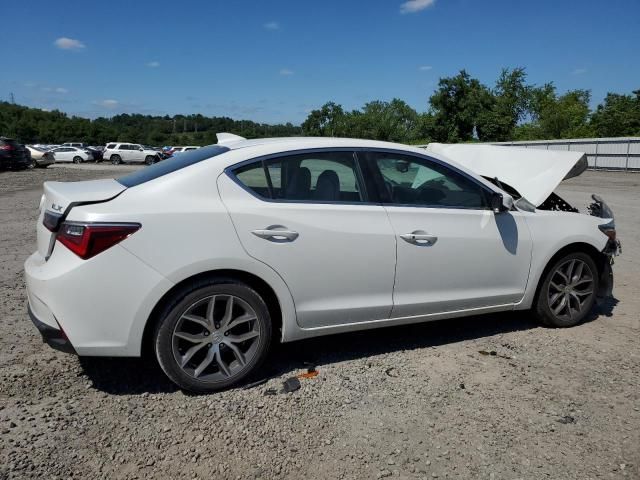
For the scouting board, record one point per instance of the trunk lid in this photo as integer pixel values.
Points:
(60, 197)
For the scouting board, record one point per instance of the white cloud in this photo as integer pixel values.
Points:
(153, 64)
(108, 103)
(272, 26)
(579, 71)
(425, 68)
(286, 72)
(61, 90)
(412, 6)
(30, 84)
(65, 43)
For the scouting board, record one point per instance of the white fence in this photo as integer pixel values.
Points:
(602, 153)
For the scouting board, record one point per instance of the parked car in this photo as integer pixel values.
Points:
(117, 153)
(75, 144)
(175, 150)
(96, 153)
(208, 257)
(69, 154)
(39, 157)
(13, 155)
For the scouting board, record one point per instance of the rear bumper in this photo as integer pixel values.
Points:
(53, 337)
(12, 162)
(99, 306)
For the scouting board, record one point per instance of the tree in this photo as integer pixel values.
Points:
(618, 116)
(509, 104)
(328, 121)
(456, 107)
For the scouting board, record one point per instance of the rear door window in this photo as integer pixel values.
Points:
(324, 177)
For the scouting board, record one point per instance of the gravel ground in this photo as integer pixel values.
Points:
(405, 402)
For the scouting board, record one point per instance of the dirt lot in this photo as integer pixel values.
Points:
(406, 402)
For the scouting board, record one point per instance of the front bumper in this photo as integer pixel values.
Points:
(53, 337)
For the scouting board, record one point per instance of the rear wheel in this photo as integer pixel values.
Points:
(150, 160)
(77, 160)
(116, 160)
(32, 164)
(213, 335)
(568, 291)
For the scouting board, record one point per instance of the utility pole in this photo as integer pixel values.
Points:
(13, 98)
(174, 124)
(184, 125)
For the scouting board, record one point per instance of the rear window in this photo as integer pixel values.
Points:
(8, 141)
(171, 165)
(111, 146)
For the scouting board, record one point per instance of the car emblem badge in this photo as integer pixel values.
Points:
(57, 208)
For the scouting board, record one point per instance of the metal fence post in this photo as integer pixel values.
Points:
(595, 160)
(626, 164)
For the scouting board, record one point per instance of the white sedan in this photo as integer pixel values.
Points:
(210, 257)
(70, 154)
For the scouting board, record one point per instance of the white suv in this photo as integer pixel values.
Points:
(118, 153)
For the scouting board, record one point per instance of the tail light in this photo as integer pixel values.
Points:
(89, 239)
(7, 147)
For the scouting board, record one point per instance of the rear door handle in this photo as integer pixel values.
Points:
(276, 233)
(419, 237)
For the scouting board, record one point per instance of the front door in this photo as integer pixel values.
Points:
(307, 216)
(454, 253)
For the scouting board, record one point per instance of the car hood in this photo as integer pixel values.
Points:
(534, 173)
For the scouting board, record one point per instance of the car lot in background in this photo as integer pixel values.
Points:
(70, 154)
(117, 153)
(74, 144)
(176, 150)
(14, 155)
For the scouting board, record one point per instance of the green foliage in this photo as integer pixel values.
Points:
(619, 115)
(462, 109)
(31, 125)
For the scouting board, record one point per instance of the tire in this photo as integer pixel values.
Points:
(32, 165)
(150, 160)
(116, 160)
(77, 160)
(198, 355)
(568, 291)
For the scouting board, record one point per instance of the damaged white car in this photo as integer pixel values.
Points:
(206, 259)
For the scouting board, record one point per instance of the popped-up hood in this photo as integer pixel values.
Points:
(534, 173)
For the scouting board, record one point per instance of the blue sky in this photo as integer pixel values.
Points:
(274, 60)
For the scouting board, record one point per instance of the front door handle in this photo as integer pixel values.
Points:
(276, 233)
(419, 237)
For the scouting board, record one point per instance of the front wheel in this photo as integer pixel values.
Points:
(116, 160)
(150, 160)
(568, 291)
(213, 335)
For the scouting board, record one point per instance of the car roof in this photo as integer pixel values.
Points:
(300, 143)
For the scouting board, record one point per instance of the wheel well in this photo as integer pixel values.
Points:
(253, 281)
(598, 257)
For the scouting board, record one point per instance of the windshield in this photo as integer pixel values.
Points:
(171, 165)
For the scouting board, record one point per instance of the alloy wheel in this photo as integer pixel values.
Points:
(570, 289)
(215, 338)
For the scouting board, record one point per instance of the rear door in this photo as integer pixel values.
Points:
(63, 154)
(308, 216)
(453, 252)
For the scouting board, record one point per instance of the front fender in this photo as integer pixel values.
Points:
(551, 231)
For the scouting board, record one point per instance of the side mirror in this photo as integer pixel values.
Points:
(501, 202)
